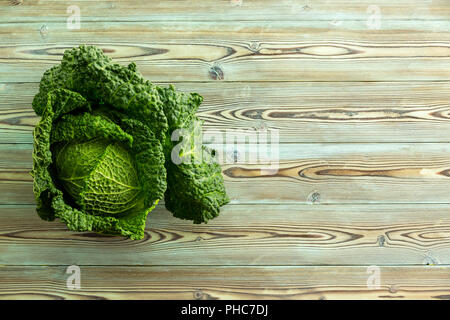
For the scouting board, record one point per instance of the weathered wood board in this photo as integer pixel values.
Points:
(359, 93)
(311, 112)
(406, 234)
(243, 282)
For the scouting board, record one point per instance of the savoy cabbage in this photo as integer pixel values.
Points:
(103, 150)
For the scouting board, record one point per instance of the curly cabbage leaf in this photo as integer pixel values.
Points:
(88, 71)
(195, 189)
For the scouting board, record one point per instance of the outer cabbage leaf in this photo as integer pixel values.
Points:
(149, 160)
(195, 187)
(86, 126)
(88, 71)
(195, 191)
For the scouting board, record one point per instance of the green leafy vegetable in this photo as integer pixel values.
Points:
(103, 152)
(195, 188)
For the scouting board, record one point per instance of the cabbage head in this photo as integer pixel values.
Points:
(102, 148)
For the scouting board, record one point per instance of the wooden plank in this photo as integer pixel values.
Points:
(15, 156)
(320, 173)
(302, 112)
(341, 173)
(249, 52)
(209, 10)
(408, 234)
(249, 33)
(187, 282)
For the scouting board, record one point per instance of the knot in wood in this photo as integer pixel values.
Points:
(216, 72)
(254, 46)
(198, 294)
(43, 31)
(314, 197)
(381, 240)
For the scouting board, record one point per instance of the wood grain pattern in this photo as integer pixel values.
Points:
(250, 32)
(363, 120)
(420, 55)
(302, 112)
(209, 283)
(335, 173)
(210, 10)
(277, 234)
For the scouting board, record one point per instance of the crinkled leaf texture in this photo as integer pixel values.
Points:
(103, 148)
(195, 189)
(86, 144)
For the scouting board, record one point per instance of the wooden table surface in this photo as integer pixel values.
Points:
(359, 91)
